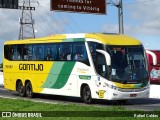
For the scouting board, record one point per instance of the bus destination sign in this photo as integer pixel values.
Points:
(82, 6)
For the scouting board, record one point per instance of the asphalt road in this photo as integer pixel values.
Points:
(140, 104)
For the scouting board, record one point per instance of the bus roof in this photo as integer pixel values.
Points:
(114, 39)
(108, 39)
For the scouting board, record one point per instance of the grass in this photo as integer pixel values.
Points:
(70, 111)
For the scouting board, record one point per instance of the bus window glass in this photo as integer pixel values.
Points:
(127, 63)
(80, 53)
(65, 51)
(50, 52)
(8, 52)
(15, 55)
(92, 47)
(101, 65)
(20, 52)
(38, 52)
(27, 52)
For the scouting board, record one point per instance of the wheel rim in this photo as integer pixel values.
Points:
(20, 89)
(87, 95)
(29, 90)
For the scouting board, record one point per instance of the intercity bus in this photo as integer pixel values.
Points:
(90, 66)
(153, 57)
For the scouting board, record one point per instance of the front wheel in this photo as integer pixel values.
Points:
(21, 89)
(86, 95)
(29, 91)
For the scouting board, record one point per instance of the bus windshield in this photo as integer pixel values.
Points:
(128, 64)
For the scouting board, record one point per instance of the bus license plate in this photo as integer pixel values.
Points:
(133, 95)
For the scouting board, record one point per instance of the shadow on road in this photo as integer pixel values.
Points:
(66, 99)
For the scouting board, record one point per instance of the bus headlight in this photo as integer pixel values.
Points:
(127, 90)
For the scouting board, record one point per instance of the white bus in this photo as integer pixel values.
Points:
(90, 66)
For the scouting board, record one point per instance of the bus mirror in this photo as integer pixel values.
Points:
(107, 56)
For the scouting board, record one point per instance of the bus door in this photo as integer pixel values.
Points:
(101, 68)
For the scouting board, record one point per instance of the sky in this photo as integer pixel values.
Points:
(141, 19)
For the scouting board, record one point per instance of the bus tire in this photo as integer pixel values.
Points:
(86, 94)
(21, 89)
(29, 90)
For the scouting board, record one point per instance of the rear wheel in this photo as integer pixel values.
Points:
(29, 91)
(86, 94)
(21, 89)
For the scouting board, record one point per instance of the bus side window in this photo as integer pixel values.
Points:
(61, 55)
(50, 52)
(27, 52)
(38, 52)
(14, 52)
(20, 52)
(65, 51)
(92, 47)
(101, 65)
(8, 52)
(80, 53)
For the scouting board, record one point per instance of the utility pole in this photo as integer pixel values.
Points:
(119, 5)
(120, 16)
(26, 21)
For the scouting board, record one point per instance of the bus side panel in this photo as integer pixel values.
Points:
(9, 82)
(74, 76)
(39, 75)
(85, 75)
(11, 74)
(69, 89)
(61, 80)
(26, 71)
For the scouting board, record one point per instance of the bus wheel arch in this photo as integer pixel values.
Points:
(20, 88)
(86, 93)
(29, 89)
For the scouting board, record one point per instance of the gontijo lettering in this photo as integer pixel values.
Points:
(31, 67)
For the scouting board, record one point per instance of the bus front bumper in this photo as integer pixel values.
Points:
(121, 95)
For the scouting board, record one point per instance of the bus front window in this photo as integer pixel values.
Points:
(128, 64)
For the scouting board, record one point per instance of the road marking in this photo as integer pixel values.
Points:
(7, 97)
(27, 99)
(41, 101)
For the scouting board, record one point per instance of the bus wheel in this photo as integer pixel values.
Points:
(21, 89)
(29, 91)
(86, 94)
